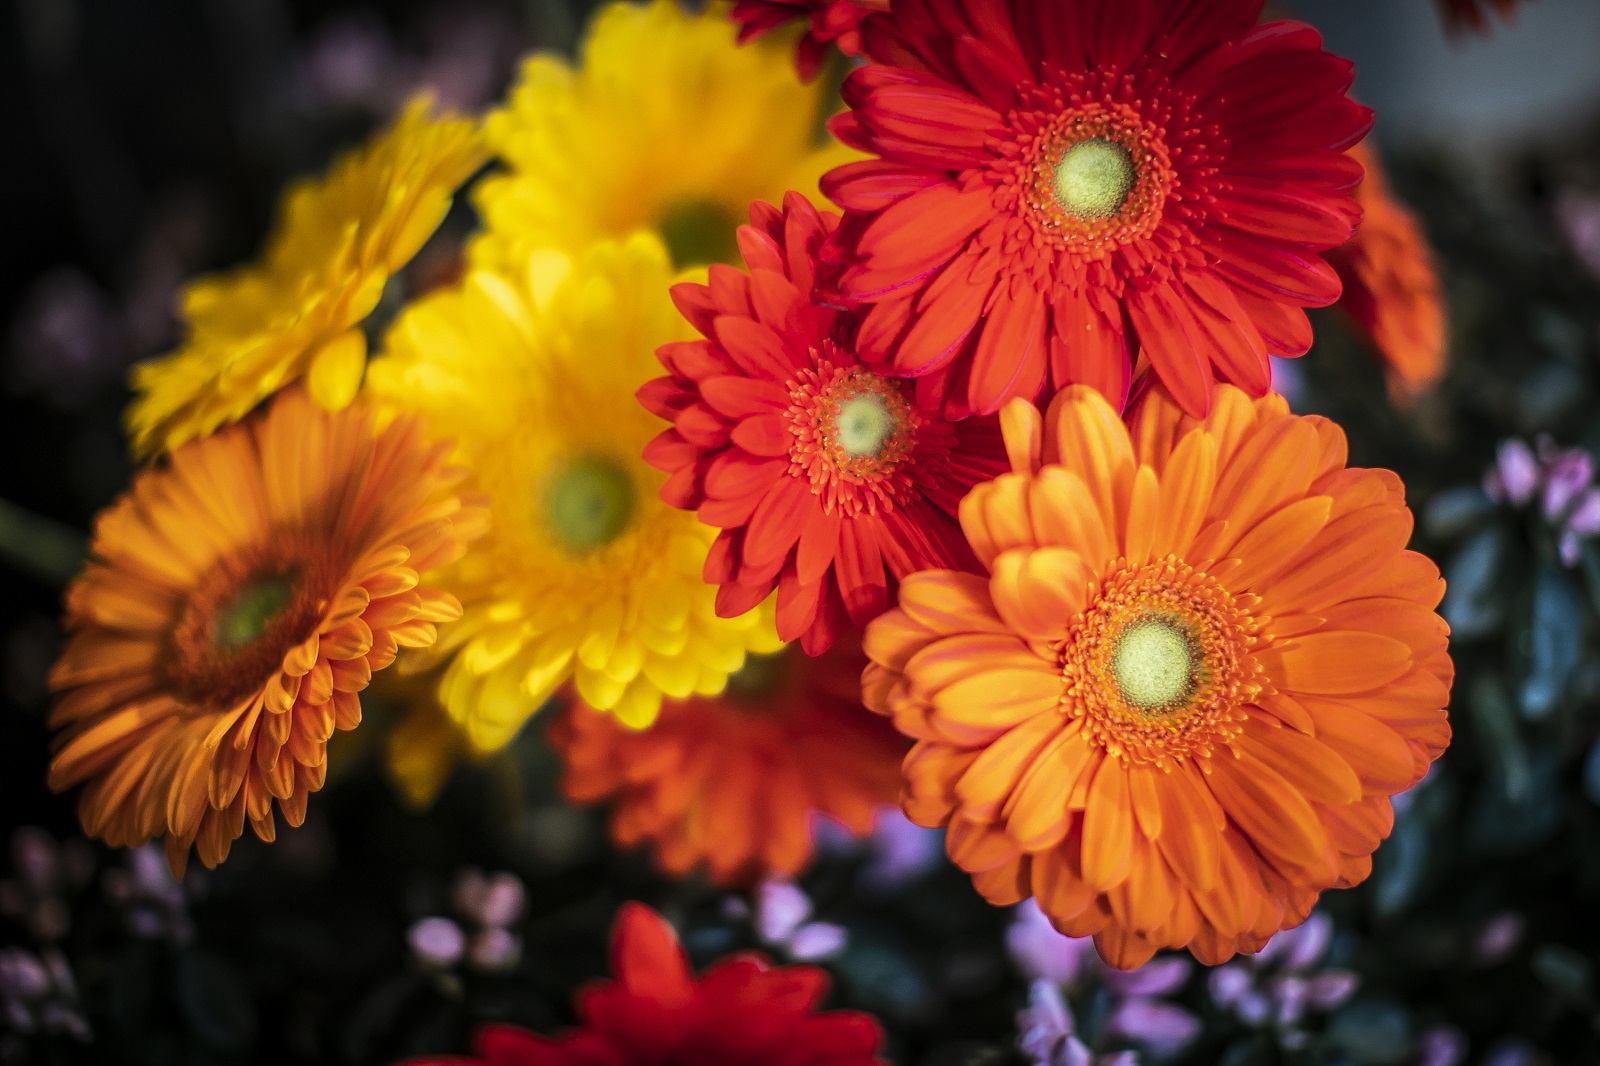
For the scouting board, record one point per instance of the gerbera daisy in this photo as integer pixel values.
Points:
(1200, 663)
(742, 1012)
(667, 125)
(298, 311)
(1473, 14)
(236, 603)
(836, 22)
(1062, 188)
(1391, 291)
(734, 781)
(828, 480)
(586, 574)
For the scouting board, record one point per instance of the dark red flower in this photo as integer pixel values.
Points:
(836, 22)
(742, 1012)
(828, 480)
(1066, 191)
(1472, 14)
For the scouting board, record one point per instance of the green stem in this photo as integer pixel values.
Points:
(40, 546)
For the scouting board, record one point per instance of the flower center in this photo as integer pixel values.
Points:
(1090, 177)
(1153, 664)
(852, 432)
(1094, 178)
(588, 503)
(1161, 663)
(863, 425)
(246, 617)
(698, 232)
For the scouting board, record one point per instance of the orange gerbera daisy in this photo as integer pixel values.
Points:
(1391, 290)
(734, 781)
(1064, 188)
(237, 601)
(1200, 664)
(1471, 14)
(835, 22)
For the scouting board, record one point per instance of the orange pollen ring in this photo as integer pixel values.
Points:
(243, 616)
(1161, 664)
(852, 432)
(1094, 178)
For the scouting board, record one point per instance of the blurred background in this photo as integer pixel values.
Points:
(148, 140)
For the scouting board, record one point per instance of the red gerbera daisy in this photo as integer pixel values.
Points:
(835, 22)
(741, 1013)
(1062, 188)
(821, 473)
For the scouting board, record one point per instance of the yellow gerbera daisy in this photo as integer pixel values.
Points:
(668, 124)
(337, 241)
(586, 573)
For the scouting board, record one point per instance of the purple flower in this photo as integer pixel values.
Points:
(1163, 1028)
(782, 910)
(494, 950)
(1136, 1013)
(1041, 953)
(493, 901)
(901, 851)
(1281, 983)
(1516, 474)
(1585, 517)
(38, 993)
(1441, 1045)
(153, 905)
(46, 876)
(437, 942)
(1499, 937)
(1579, 215)
(1567, 473)
(1047, 1034)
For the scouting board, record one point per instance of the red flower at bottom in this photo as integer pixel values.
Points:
(743, 1012)
(830, 22)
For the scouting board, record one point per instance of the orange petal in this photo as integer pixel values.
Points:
(1040, 592)
(945, 601)
(1338, 661)
(1108, 826)
(995, 773)
(1023, 429)
(1187, 481)
(1271, 812)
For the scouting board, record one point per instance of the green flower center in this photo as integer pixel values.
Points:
(1153, 664)
(1094, 178)
(588, 504)
(700, 232)
(252, 610)
(863, 425)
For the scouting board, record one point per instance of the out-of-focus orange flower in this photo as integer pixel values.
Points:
(1391, 289)
(735, 781)
(1199, 663)
(237, 601)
